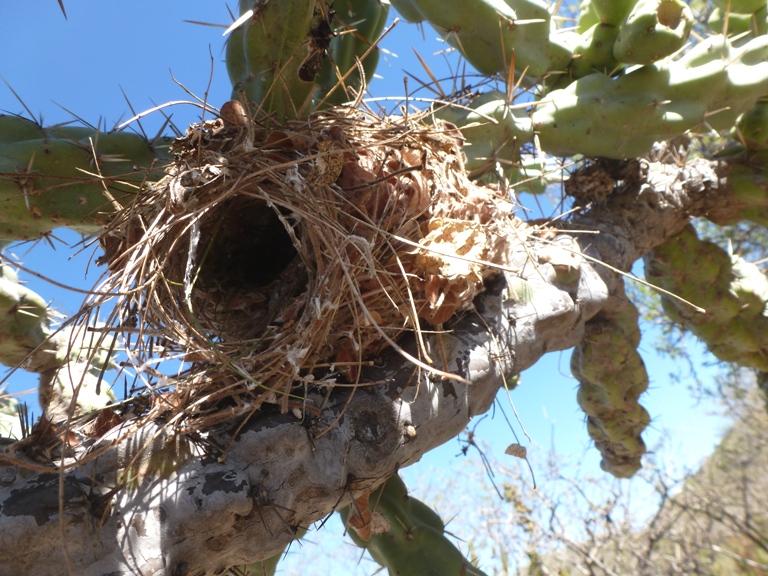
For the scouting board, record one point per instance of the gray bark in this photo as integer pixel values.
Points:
(208, 512)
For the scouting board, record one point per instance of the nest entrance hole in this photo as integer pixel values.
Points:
(248, 246)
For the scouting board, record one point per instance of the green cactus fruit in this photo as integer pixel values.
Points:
(653, 30)
(363, 21)
(752, 127)
(621, 118)
(613, 11)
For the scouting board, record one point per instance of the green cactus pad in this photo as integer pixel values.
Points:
(409, 538)
(653, 30)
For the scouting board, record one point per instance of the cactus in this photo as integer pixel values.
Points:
(652, 31)
(752, 127)
(622, 118)
(612, 11)
(408, 537)
(753, 22)
(273, 57)
(10, 422)
(594, 52)
(363, 21)
(612, 377)
(25, 324)
(732, 292)
(487, 33)
(47, 175)
(612, 88)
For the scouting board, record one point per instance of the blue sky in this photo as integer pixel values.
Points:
(82, 64)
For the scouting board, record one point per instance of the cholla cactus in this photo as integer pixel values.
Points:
(629, 76)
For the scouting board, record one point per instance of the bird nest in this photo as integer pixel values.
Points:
(274, 261)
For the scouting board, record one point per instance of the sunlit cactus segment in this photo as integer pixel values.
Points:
(24, 322)
(493, 131)
(594, 52)
(408, 538)
(621, 118)
(56, 180)
(588, 16)
(736, 24)
(283, 46)
(10, 423)
(653, 30)
(362, 23)
(740, 6)
(487, 32)
(612, 11)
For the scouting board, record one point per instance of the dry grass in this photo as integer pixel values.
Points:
(271, 260)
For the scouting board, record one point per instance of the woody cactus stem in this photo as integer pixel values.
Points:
(51, 177)
(612, 377)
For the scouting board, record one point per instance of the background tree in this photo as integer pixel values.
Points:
(135, 477)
